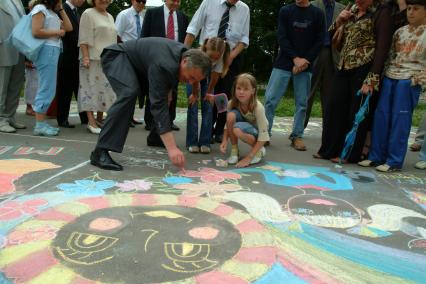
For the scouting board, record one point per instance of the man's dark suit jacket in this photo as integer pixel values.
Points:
(70, 40)
(155, 60)
(154, 26)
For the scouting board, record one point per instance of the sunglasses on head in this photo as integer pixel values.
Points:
(141, 1)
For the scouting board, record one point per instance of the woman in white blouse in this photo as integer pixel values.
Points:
(97, 30)
(47, 25)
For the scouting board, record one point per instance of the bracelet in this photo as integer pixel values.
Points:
(60, 10)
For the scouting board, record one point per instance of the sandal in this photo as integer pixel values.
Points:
(317, 156)
(337, 160)
(415, 147)
(365, 151)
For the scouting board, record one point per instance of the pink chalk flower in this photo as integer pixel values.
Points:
(41, 233)
(134, 185)
(210, 175)
(14, 209)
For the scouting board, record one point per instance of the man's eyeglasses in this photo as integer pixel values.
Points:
(141, 1)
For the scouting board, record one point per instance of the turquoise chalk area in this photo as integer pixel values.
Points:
(278, 274)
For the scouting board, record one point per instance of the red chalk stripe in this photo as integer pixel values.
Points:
(144, 200)
(223, 210)
(31, 266)
(188, 201)
(95, 203)
(249, 226)
(53, 214)
(217, 277)
(265, 255)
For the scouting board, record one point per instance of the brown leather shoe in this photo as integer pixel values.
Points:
(297, 143)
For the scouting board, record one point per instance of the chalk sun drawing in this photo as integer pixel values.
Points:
(85, 247)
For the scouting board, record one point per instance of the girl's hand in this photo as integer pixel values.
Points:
(209, 98)
(86, 62)
(366, 89)
(192, 99)
(244, 162)
(223, 146)
(61, 33)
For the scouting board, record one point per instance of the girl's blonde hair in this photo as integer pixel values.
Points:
(217, 44)
(244, 79)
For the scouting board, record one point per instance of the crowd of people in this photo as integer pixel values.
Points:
(370, 49)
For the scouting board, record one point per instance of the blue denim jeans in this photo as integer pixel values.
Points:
(242, 124)
(277, 86)
(47, 66)
(192, 138)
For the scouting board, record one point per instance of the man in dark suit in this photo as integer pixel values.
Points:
(159, 61)
(68, 67)
(164, 21)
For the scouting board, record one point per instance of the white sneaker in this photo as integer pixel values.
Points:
(194, 149)
(233, 158)
(205, 149)
(7, 129)
(258, 157)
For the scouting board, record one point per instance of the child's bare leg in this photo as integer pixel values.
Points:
(246, 138)
(230, 122)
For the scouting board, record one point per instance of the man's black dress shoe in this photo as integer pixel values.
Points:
(101, 158)
(175, 127)
(66, 124)
(136, 122)
(131, 124)
(148, 127)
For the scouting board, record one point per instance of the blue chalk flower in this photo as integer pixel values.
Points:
(86, 187)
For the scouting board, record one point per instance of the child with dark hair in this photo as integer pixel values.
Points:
(405, 74)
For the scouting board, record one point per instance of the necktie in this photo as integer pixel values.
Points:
(138, 25)
(170, 27)
(75, 13)
(224, 22)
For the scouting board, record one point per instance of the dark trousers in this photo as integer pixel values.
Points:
(224, 85)
(148, 118)
(322, 80)
(125, 83)
(340, 113)
(67, 85)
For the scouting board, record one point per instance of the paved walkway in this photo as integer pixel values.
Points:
(289, 219)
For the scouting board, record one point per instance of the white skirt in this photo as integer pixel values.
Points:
(95, 92)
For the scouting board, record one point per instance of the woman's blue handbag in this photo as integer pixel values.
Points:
(23, 40)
